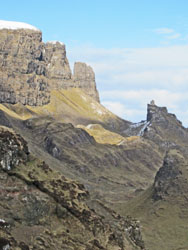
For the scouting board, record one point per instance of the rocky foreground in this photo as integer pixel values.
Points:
(73, 175)
(41, 209)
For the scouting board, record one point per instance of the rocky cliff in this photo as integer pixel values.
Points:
(161, 127)
(162, 208)
(118, 162)
(84, 77)
(22, 69)
(30, 69)
(164, 129)
(41, 209)
(171, 179)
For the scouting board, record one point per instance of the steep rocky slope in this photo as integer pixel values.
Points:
(123, 169)
(41, 209)
(162, 209)
(29, 68)
(161, 127)
(138, 169)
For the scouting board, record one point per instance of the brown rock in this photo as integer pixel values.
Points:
(57, 65)
(84, 77)
(29, 69)
(22, 70)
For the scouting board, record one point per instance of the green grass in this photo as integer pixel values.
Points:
(164, 223)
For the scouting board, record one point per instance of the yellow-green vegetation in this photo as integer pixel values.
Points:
(17, 111)
(164, 225)
(102, 135)
(50, 181)
(105, 136)
(66, 105)
(73, 102)
(162, 209)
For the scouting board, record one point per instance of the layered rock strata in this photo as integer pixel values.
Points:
(30, 69)
(84, 77)
(22, 68)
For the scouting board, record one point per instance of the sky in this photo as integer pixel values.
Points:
(137, 48)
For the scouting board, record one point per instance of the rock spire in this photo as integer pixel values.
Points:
(30, 69)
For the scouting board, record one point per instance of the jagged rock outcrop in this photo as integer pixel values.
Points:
(84, 77)
(14, 149)
(57, 65)
(164, 128)
(171, 180)
(29, 69)
(161, 127)
(160, 115)
(22, 70)
(41, 209)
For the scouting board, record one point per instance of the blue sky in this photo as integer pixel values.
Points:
(138, 48)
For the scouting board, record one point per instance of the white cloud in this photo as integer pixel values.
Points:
(142, 97)
(127, 113)
(163, 31)
(131, 105)
(166, 31)
(174, 36)
(128, 79)
(116, 107)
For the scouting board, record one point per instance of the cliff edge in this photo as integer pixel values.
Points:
(30, 69)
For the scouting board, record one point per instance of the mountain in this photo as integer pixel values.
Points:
(73, 174)
(43, 103)
(162, 208)
(41, 209)
(29, 68)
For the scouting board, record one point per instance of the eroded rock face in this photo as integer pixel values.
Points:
(164, 129)
(159, 114)
(13, 149)
(84, 77)
(171, 179)
(22, 69)
(29, 69)
(57, 65)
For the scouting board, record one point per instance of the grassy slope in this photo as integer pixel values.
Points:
(105, 136)
(165, 220)
(164, 225)
(63, 101)
(106, 167)
(71, 105)
(120, 170)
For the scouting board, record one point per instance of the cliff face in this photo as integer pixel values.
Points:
(84, 77)
(171, 179)
(22, 70)
(29, 69)
(164, 128)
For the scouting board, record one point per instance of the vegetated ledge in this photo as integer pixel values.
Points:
(40, 204)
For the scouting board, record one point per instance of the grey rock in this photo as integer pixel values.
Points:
(30, 69)
(171, 179)
(21, 68)
(84, 77)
